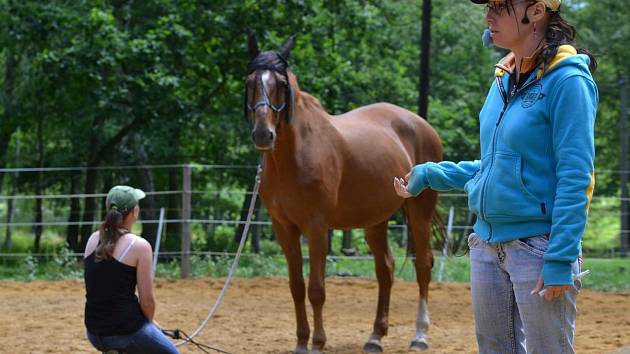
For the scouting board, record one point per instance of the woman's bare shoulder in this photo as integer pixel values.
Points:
(91, 244)
(140, 244)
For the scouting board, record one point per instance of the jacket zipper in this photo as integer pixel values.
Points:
(506, 101)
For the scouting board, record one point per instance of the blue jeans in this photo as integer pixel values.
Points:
(148, 340)
(508, 319)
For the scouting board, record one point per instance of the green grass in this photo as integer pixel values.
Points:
(607, 274)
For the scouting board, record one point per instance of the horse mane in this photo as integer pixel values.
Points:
(309, 101)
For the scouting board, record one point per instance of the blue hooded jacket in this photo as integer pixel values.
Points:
(536, 173)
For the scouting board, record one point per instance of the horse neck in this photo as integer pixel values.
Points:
(308, 137)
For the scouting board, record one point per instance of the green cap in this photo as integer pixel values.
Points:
(123, 198)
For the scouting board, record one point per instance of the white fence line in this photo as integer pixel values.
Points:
(124, 167)
(216, 192)
(74, 196)
(166, 221)
(164, 166)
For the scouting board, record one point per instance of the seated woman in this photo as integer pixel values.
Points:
(116, 263)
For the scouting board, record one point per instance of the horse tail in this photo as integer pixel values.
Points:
(410, 243)
(438, 229)
(438, 233)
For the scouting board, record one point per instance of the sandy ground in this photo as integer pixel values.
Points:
(257, 316)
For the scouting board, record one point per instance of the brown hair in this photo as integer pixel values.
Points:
(110, 231)
(560, 32)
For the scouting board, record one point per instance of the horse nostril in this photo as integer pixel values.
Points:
(271, 136)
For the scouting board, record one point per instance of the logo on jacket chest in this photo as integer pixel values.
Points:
(532, 95)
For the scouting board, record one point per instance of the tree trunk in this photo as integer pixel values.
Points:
(425, 45)
(9, 121)
(1, 182)
(108, 183)
(173, 230)
(96, 155)
(148, 210)
(346, 244)
(39, 190)
(10, 202)
(72, 232)
(331, 232)
(623, 166)
(7, 128)
(347, 239)
(8, 243)
(89, 208)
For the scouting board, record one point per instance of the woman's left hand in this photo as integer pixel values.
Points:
(400, 185)
(551, 291)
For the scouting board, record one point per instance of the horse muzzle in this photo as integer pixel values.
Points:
(263, 139)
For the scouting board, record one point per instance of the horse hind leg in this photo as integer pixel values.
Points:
(420, 216)
(376, 237)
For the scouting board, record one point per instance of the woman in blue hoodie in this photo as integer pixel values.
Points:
(532, 187)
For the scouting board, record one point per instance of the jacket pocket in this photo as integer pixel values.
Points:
(473, 190)
(507, 199)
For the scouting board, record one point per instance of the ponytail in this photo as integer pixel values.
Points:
(560, 32)
(110, 231)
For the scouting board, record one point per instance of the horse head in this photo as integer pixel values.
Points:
(268, 93)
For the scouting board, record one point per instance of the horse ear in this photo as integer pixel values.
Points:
(286, 48)
(252, 44)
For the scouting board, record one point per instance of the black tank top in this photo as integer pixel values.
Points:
(111, 306)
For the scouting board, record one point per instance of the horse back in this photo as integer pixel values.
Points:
(384, 128)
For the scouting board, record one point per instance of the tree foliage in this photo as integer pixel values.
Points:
(122, 82)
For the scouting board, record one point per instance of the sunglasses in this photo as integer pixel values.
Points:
(498, 6)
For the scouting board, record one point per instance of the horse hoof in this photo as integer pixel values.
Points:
(373, 346)
(419, 346)
(316, 351)
(300, 349)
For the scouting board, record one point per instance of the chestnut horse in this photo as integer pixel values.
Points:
(325, 172)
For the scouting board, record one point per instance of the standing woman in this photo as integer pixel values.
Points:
(116, 263)
(532, 187)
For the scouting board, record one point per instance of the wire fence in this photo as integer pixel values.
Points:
(211, 206)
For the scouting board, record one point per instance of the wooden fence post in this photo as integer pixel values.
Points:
(186, 226)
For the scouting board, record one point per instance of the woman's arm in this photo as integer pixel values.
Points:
(441, 176)
(572, 113)
(144, 277)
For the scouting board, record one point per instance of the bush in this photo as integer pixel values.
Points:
(602, 230)
(223, 240)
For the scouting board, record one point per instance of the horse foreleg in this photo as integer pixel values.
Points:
(376, 237)
(317, 250)
(288, 237)
(420, 212)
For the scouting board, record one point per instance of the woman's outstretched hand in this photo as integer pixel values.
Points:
(400, 185)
